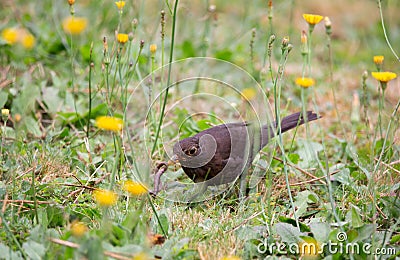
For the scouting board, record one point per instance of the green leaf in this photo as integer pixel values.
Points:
(32, 126)
(320, 231)
(92, 248)
(3, 189)
(188, 49)
(34, 250)
(24, 102)
(294, 158)
(52, 99)
(356, 220)
(224, 54)
(79, 120)
(3, 98)
(303, 227)
(303, 199)
(395, 239)
(288, 233)
(366, 231)
(308, 151)
(8, 253)
(388, 152)
(164, 223)
(352, 235)
(55, 215)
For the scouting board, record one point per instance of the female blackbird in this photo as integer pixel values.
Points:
(220, 154)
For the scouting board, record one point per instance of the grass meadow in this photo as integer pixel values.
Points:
(94, 94)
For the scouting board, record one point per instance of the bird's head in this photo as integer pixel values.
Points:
(195, 151)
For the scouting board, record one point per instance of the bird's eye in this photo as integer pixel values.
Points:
(192, 150)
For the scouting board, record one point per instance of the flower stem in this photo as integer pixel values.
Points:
(169, 77)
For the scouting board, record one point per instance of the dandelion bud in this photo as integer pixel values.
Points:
(153, 48)
(130, 36)
(289, 47)
(328, 25)
(135, 23)
(303, 37)
(270, 9)
(378, 60)
(304, 43)
(285, 41)
(365, 75)
(141, 44)
(17, 117)
(212, 8)
(4, 114)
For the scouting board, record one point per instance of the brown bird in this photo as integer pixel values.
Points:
(220, 154)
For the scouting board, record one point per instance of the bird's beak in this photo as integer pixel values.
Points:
(173, 160)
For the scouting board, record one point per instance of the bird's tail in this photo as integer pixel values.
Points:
(295, 120)
(287, 123)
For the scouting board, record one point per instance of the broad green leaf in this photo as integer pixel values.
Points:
(32, 126)
(34, 250)
(52, 99)
(288, 233)
(3, 98)
(320, 231)
(8, 253)
(356, 220)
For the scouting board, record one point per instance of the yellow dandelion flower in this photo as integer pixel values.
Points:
(378, 60)
(105, 198)
(134, 188)
(122, 38)
(10, 35)
(312, 19)
(17, 117)
(71, 2)
(120, 4)
(305, 82)
(74, 25)
(5, 112)
(232, 257)
(28, 40)
(109, 123)
(249, 93)
(384, 77)
(141, 256)
(153, 48)
(78, 228)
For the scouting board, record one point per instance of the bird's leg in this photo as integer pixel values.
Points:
(162, 167)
